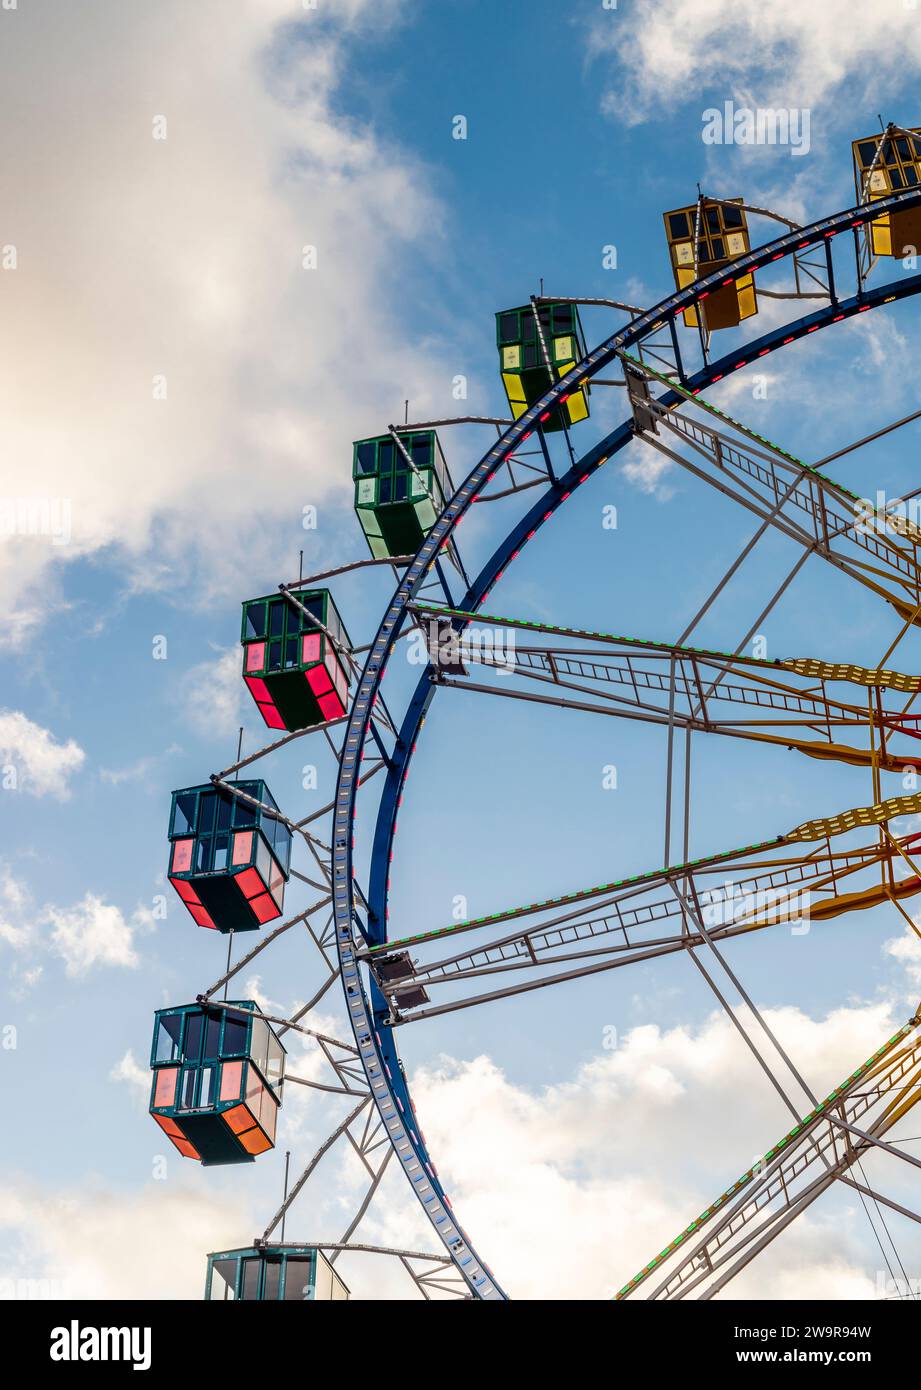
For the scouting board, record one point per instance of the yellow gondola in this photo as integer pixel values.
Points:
(703, 238)
(885, 164)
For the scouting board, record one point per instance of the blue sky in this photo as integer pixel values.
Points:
(181, 258)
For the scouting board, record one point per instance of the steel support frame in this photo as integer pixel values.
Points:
(369, 1012)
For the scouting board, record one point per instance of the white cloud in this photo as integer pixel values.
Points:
(127, 1071)
(212, 693)
(104, 1244)
(23, 979)
(647, 469)
(18, 923)
(906, 949)
(43, 766)
(138, 771)
(182, 259)
(87, 935)
(253, 989)
(882, 343)
(617, 1160)
(790, 53)
(90, 934)
(14, 894)
(614, 1161)
(72, 1244)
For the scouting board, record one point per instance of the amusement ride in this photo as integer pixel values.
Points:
(219, 1063)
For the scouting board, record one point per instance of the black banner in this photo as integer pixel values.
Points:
(178, 1342)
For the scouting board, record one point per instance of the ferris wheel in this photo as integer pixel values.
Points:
(219, 1064)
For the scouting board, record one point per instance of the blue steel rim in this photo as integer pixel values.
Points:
(369, 1019)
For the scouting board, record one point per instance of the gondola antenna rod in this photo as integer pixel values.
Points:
(285, 1199)
(229, 951)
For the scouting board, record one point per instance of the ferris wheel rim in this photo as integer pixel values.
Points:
(378, 1052)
